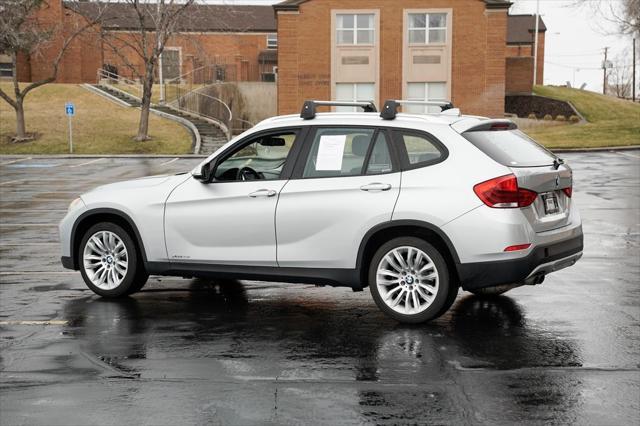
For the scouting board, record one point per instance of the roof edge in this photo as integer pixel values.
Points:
(497, 4)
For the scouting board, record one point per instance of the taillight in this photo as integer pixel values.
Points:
(503, 192)
(568, 191)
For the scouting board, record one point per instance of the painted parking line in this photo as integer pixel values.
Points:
(627, 154)
(169, 162)
(87, 163)
(42, 322)
(15, 161)
(12, 181)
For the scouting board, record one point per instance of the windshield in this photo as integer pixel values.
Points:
(511, 148)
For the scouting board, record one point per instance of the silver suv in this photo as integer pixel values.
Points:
(413, 206)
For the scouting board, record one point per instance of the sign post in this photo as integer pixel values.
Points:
(70, 110)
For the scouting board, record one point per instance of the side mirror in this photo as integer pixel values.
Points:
(205, 173)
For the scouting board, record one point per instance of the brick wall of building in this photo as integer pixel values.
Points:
(478, 52)
(519, 74)
(87, 53)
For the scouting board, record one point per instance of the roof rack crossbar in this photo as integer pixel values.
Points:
(390, 108)
(309, 107)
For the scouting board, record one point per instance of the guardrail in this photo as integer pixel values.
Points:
(205, 106)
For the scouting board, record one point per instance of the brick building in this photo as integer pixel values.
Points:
(240, 40)
(469, 51)
(408, 49)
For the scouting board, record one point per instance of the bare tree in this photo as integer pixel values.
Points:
(619, 77)
(22, 33)
(153, 23)
(625, 14)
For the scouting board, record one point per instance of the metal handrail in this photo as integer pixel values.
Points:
(103, 74)
(200, 104)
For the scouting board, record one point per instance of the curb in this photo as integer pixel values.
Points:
(80, 156)
(597, 149)
(196, 156)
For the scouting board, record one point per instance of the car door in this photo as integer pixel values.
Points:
(230, 221)
(346, 181)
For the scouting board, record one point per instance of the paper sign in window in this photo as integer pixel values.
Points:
(330, 152)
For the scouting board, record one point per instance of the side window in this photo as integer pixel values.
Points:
(420, 149)
(261, 158)
(380, 159)
(338, 152)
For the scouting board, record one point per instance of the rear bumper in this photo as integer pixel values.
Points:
(542, 260)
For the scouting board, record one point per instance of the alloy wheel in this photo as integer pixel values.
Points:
(106, 260)
(407, 280)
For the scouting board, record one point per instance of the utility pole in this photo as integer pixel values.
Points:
(633, 84)
(535, 44)
(604, 68)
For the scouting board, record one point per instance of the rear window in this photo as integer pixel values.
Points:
(510, 148)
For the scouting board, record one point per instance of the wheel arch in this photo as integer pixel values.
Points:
(91, 217)
(384, 232)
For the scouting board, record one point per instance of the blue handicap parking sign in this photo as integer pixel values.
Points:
(70, 109)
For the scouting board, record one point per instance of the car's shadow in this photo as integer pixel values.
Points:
(478, 332)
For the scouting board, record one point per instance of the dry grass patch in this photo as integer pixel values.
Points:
(99, 126)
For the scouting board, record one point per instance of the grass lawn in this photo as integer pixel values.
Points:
(99, 126)
(611, 122)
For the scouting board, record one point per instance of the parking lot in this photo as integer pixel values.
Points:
(200, 352)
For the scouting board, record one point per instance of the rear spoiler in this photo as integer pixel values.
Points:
(479, 125)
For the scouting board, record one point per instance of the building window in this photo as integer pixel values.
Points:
(354, 28)
(432, 91)
(6, 66)
(354, 92)
(272, 41)
(427, 28)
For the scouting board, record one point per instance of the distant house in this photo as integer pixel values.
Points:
(406, 49)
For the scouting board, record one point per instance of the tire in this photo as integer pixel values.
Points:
(109, 261)
(432, 289)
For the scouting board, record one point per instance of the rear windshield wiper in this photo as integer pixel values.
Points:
(557, 162)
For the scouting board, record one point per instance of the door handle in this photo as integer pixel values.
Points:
(263, 193)
(376, 186)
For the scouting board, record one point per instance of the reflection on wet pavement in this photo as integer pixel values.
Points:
(228, 352)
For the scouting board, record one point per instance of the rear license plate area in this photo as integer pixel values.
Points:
(550, 202)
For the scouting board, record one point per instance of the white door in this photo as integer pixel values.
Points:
(348, 185)
(230, 221)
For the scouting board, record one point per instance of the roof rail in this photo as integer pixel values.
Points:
(390, 108)
(309, 107)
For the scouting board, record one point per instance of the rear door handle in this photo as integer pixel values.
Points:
(263, 193)
(376, 186)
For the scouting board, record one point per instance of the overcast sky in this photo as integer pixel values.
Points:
(575, 40)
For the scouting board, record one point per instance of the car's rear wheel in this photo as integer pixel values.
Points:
(409, 280)
(109, 261)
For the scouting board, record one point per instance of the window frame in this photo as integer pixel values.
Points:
(272, 46)
(405, 164)
(355, 29)
(426, 98)
(354, 88)
(426, 28)
(290, 161)
(301, 161)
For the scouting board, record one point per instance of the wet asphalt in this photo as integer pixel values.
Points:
(201, 352)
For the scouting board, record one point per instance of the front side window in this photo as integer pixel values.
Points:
(419, 148)
(262, 158)
(432, 91)
(354, 92)
(338, 152)
(355, 28)
(427, 28)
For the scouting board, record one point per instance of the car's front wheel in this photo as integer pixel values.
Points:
(109, 261)
(409, 280)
